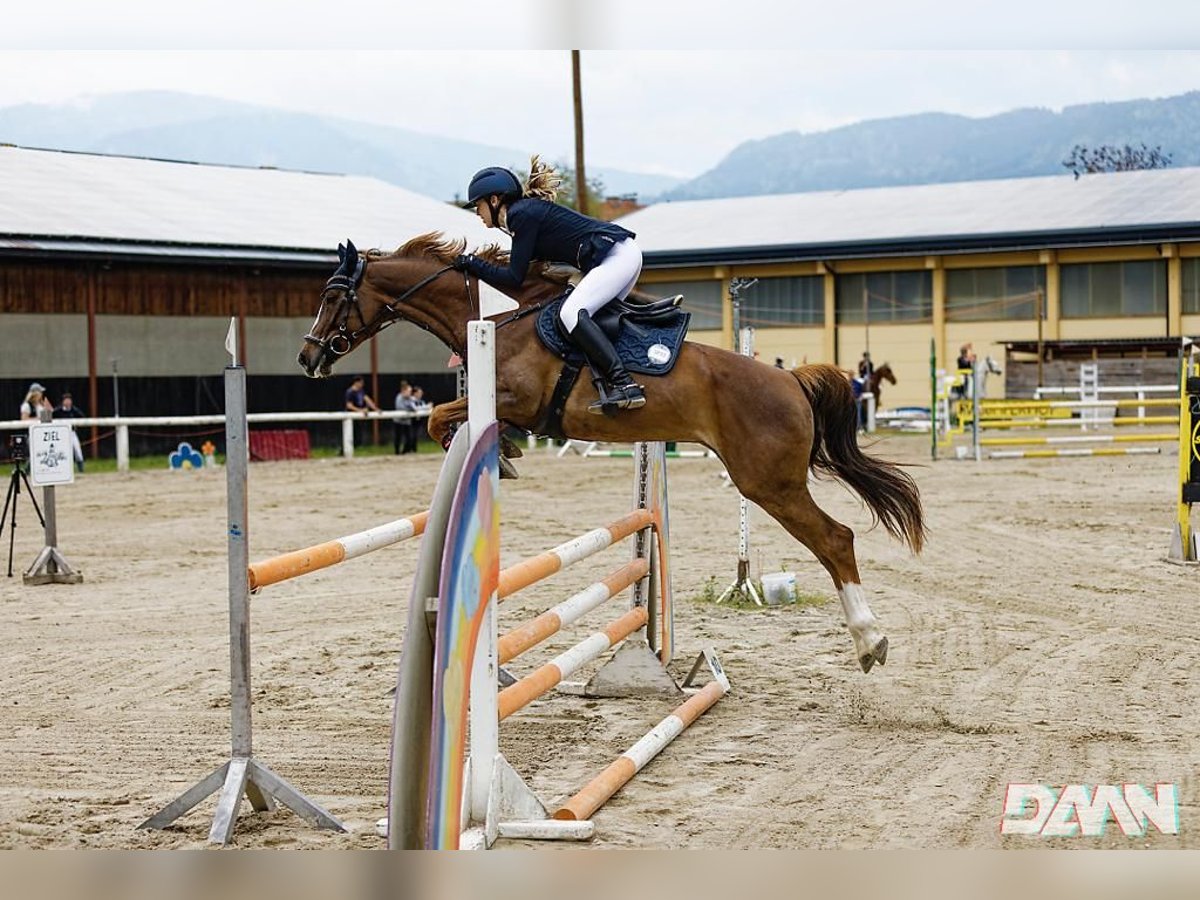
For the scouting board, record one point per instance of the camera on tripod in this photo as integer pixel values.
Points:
(18, 447)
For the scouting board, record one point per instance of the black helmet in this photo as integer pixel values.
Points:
(493, 180)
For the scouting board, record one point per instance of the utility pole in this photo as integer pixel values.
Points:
(581, 195)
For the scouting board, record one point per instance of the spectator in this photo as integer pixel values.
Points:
(35, 402)
(67, 409)
(421, 408)
(779, 362)
(359, 401)
(401, 435)
(966, 367)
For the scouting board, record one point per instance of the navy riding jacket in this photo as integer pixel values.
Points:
(551, 233)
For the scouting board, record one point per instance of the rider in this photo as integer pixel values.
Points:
(542, 230)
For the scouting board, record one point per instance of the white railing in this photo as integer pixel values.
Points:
(122, 424)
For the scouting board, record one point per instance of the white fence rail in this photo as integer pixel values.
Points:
(122, 424)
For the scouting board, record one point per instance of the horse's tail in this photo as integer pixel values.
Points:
(888, 491)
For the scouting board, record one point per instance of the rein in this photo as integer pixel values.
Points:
(340, 342)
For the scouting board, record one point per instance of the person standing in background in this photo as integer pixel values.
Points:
(35, 401)
(358, 401)
(419, 406)
(401, 436)
(966, 368)
(67, 409)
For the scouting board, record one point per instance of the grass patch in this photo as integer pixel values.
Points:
(712, 591)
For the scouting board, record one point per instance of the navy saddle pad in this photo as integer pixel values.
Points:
(647, 339)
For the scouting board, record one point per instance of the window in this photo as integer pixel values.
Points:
(1096, 290)
(701, 298)
(1007, 292)
(776, 302)
(1191, 285)
(885, 297)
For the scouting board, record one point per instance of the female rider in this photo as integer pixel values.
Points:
(542, 230)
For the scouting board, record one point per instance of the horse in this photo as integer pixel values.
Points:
(875, 382)
(769, 426)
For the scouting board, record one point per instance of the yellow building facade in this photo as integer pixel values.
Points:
(980, 289)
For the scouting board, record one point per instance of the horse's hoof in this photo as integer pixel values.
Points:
(507, 469)
(508, 449)
(880, 651)
(878, 654)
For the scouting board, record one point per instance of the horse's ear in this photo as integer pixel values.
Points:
(351, 250)
(342, 252)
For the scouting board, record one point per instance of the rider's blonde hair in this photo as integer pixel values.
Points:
(543, 182)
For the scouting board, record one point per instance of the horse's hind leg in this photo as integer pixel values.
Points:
(833, 544)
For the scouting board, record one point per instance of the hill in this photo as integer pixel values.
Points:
(170, 125)
(934, 148)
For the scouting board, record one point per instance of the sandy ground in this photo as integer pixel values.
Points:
(1040, 638)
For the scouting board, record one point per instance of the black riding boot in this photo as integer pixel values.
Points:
(622, 391)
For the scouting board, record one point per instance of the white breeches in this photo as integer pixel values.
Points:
(612, 279)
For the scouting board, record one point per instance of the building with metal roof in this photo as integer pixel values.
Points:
(888, 270)
(133, 267)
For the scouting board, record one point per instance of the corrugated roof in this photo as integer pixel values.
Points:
(53, 201)
(972, 215)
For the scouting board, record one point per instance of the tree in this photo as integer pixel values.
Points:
(1085, 160)
(566, 193)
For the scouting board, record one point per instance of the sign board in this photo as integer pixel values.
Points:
(50, 455)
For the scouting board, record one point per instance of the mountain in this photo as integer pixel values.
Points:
(169, 125)
(932, 148)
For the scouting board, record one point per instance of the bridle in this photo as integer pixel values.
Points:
(340, 340)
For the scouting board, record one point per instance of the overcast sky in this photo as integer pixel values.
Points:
(769, 68)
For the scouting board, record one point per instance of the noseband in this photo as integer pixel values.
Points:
(340, 341)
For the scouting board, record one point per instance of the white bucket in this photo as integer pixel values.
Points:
(779, 587)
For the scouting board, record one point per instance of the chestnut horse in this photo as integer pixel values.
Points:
(768, 425)
(875, 382)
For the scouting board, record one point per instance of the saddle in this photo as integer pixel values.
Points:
(646, 336)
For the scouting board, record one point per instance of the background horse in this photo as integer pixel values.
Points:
(768, 425)
(875, 382)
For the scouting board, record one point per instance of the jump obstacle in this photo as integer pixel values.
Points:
(441, 796)
(1185, 543)
(1029, 423)
(504, 795)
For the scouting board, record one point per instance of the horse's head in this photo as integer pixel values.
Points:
(359, 300)
(343, 319)
(885, 373)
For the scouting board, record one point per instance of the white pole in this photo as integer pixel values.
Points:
(484, 711)
(122, 448)
(348, 438)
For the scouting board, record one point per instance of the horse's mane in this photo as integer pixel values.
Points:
(435, 245)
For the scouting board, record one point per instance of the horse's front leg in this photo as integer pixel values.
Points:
(445, 419)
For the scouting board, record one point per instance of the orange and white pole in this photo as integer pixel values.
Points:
(571, 610)
(532, 570)
(523, 692)
(310, 559)
(633, 760)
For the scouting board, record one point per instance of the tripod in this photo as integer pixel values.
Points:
(11, 499)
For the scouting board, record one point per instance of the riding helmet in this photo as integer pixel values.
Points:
(493, 180)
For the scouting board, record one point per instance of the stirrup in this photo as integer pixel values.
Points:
(629, 396)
